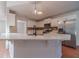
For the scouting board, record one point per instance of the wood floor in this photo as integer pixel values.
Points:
(70, 52)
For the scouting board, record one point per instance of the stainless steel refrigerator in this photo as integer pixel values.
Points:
(69, 28)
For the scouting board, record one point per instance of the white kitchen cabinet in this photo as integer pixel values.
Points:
(31, 23)
(54, 22)
(11, 19)
(40, 24)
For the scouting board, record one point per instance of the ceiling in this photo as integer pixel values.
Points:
(49, 8)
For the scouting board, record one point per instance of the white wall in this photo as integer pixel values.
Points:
(2, 26)
(77, 29)
(2, 10)
(2, 16)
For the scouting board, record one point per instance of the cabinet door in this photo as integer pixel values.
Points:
(31, 23)
(11, 19)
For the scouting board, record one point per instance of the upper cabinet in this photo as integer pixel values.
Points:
(11, 19)
(31, 23)
(53, 22)
(40, 23)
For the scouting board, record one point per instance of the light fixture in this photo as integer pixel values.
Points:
(37, 12)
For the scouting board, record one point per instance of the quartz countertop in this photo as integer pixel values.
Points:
(22, 36)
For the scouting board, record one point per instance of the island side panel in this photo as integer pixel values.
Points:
(37, 48)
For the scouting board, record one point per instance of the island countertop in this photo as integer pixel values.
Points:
(23, 45)
(22, 36)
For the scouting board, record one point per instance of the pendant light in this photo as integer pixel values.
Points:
(37, 12)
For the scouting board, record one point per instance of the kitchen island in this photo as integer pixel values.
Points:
(45, 46)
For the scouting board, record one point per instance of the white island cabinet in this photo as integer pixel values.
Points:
(41, 46)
